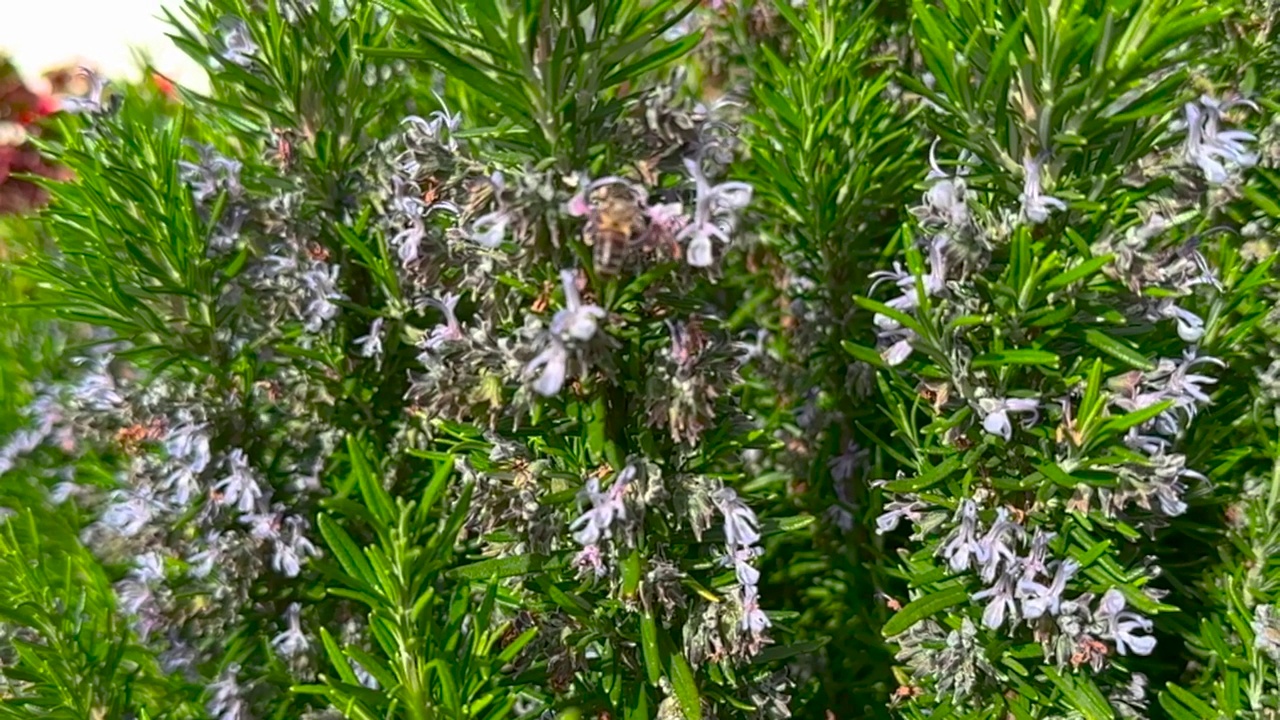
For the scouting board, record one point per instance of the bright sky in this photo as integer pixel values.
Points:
(40, 34)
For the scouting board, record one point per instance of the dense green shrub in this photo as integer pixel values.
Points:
(653, 359)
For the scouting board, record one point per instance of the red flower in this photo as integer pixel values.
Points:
(164, 85)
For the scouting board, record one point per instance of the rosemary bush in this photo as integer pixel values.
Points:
(622, 358)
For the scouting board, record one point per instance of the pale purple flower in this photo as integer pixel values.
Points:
(1123, 624)
(741, 527)
(995, 414)
(607, 508)
(240, 487)
(1034, 563)
(899, 348)
(993, 548)
(554, 362)
(128, 512)
(1039, 599)
(97, 390)
(448, 331)
(740, 559)
(490, 230)
(1211, 148)
(292, 548)
(1190, 325)
(845, 465)
(188, 446)
(370, 344)
(909, 297)
(237, 42)
(148, 568)
(754, 619)
(265, 525)
(92, 101)
(712, 203)
(1184, 386)
(961, 547)
(321, 282)
(895, 511)
(1036, 206)
(292, 642)
(575, 321)
(437, 125)
(1002, 603)
(211, 174)
(945, 202)
(226, 700)
(590, 561)
(201, 563)
(408, 242)
(406, 197)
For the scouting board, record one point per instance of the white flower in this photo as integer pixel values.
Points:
(741, 527)
(1122, 624)
(576, 321)
(292, 642)
(553, 361)
(371, 344)
(753, 618)
(596, 523)
(995, 413)
(490, 230)
(714, 204)
(1210, 148)
(1035, 205)
(448, 331)
(240, 487)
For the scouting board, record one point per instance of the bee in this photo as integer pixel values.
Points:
(614, 228)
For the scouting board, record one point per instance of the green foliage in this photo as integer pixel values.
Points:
(591, 358)
(66, 653)
(551, 77)
(438, 653)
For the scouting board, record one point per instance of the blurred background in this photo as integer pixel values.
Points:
(39, 36)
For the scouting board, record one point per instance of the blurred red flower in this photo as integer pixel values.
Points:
(20, 112)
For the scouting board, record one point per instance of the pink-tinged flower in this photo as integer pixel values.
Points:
(448, 331)
(607, 508)
(754, 619)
